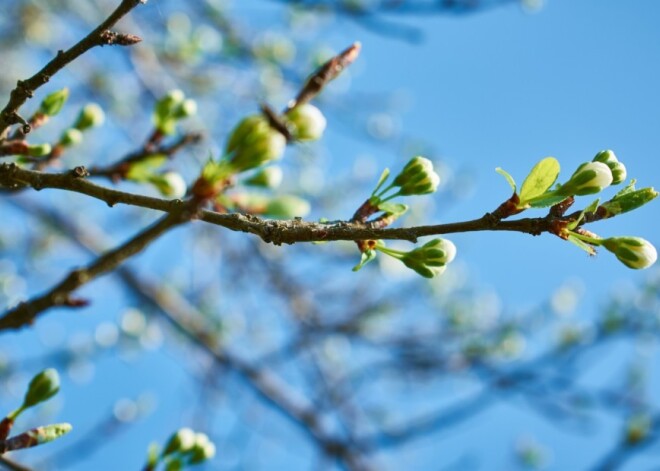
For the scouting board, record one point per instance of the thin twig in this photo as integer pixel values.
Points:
(98, 37)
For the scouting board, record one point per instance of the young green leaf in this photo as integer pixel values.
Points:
(367, 256)
(508, 177)
(544, 202)
(396, 209)
(581, 244)
(540, 179)
(381, 180)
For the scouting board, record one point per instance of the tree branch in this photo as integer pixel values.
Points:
(273, 231)
(60, 295)
(99, 37)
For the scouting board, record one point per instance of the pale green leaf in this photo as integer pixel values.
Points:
(381, 180)
(508, 177)
(551, 200)
(396, 209)
(540, 179)
(581, 244)
(367, 256)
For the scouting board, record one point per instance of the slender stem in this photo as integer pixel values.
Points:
(25, 88)
(588, 239)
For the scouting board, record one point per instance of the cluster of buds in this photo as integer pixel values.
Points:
(184, 448)
(41, 388)
(429, 260)
(253, 143)
(416, 178)
(618, 170)
(90, 116)
(171, 109)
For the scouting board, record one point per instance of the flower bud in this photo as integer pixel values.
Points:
(180, 442)
(203, 449)
(617, 168)
(417, 177)
(53, 103)
(638, 429)
(287, 207)
(42, 387)
(186, 109)
(589, 178)
(269, 177)
(90, 116)
(308, 122)
(253, 142)
(430, 259)
(628, 202)
(167, 107)
(71, 137)
(48, 433)
(170, 184)
(175, 464)
(39, 150)
(633, 252)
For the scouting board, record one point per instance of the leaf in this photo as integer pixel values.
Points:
(593, 206)
(629, 188)
(381, 180)
(540, 179)
(508, 177)
(367, 256)
(144, 169)
(589, 209)
(396, 209)
(551, 200)
(581, 244)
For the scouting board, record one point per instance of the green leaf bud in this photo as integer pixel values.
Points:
(633, 252)
(48, 433)
(307, 121)
(253, 142)
(170, 184)
(638, 429)
(589, 178)
(39, 150)
(186, 109)
(417, 177)
(618, 169)
(42, 387)
(90, 116)
(53, 103)
(71, 137)
(165, 106)
(628, 201)
(174, 464)
(287, 207)
(203, 449)
(269, 177)
(180, 442)
(430, 259)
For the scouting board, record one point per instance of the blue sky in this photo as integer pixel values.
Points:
(497, 88)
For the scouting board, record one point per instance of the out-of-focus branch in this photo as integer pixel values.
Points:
(186, 319)
(6, 463)
(60, 295)
(100, 36)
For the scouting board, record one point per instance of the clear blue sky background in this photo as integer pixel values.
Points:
(498, 88)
